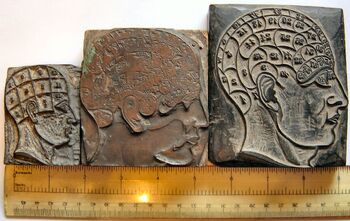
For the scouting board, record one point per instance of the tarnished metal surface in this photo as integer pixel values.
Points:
(278, 86)
(145, 97)
(42, 115)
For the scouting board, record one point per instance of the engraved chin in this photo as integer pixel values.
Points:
(72, 133)
(327, 139)
(321, 136)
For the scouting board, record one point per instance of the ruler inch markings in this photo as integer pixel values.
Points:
(207, 192)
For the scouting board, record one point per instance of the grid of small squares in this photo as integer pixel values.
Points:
(45, 85)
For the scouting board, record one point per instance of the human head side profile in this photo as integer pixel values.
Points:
(277, 67)
(144, 82)
(36, 97)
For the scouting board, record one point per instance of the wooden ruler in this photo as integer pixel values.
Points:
(168, 192)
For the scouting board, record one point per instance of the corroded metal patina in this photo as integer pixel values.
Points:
(145, 97)
(42, 115)
(278, 86)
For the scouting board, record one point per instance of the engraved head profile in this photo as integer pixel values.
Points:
(146, 79)
(278, 62)
(37, 99)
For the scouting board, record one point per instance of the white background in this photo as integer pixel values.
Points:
(51, 32)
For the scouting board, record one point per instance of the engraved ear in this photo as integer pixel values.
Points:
(32, 110)
(131, 113)
(103, 118)
(266, 87)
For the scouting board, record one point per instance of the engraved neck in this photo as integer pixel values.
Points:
(270, 143)
(30, 146)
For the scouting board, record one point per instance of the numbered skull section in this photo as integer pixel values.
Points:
(42, 115)
(279, 42)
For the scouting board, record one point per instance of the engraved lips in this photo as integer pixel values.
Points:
(68, 131)
(333, 120)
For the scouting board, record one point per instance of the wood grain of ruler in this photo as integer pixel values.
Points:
(169, 192)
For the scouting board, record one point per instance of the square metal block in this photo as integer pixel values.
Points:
(42, 115)
(277, 86)
(144, 95)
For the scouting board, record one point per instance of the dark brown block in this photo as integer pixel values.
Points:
(145, 97)
(278, 92)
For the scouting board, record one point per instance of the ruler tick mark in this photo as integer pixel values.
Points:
(231, 182)
(303, 178)
(84, 180)
(267, 183)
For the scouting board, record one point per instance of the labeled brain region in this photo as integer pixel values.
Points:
(280, 42)
(155, 68)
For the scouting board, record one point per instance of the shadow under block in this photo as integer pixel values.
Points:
(277, 86)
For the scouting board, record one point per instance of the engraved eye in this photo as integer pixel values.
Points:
(324, 77)
(322, 80)
(63, 106)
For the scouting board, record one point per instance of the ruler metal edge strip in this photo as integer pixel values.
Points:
(173, 192)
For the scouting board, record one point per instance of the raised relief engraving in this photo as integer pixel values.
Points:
(145, 97)
(289, 94)
(42, 115)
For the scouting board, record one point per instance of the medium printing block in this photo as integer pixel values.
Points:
(277, 86)
(144, 95)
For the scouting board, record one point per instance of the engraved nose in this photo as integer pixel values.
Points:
(72, 120)
(338, 98)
